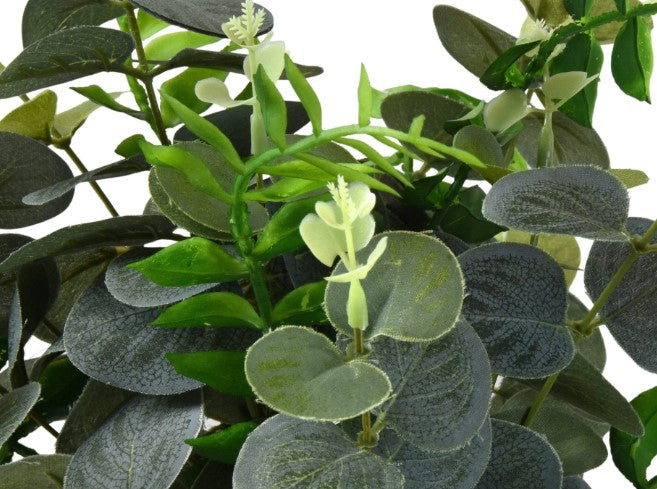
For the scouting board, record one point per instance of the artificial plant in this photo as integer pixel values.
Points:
(443, 350)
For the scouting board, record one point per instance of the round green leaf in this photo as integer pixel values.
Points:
(141, 445)
(573, 482)
(64, 56)
(15, 406)
(450, 375)
(460, 468)
(414, 292)
(28, 165)
(285, 452)
(577, 200)
(131, 287)
(112, 342)
(481, 143)
(37, 471)
(520, 459)
(630, 312)
(299, 372)
(516, 301)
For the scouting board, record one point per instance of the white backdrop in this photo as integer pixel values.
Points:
(398, 44)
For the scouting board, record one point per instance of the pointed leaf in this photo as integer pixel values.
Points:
(26, 166)
(33, 118)
(450, 375)
(168, 45)
(632, 59)
(306, 94)
(516, 301)
(284, 452)
(631, 178)
(35, 471)
(630, 310)
(293, 368)
(68, 122)
(413, 266)
(578, 201)
(520, 459)
(100, 97)
(303, 306)
(15, 406)
(272, 105)
(497, 76)
(191, 262)
(364, 98)
(141, 445)
(223, 445)
(80, 51)
(181, 87)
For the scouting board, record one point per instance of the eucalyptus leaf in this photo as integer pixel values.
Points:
(573, 482)
(285, 451)
(629, 312)
(460, 468)
(141, 445)
(450, 375)
(64, 56)
(26, 166)
(124, 230)
(469, 40)
(516, 301)
(519, 459)
(632, 58)
(577, 201)
(205, 16)
(35, 471)
(8, 244)
(224, 445)
(481, 143)
(131, 354)
(293, 368)
(404, 283)
(131, 287)
(122, 168)
(33, 118)
(44, 17)
(15, 406)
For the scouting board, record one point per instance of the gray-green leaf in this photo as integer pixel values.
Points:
(577, 200)
(141, 445)
(15, 406)
(285, 452)
(37, 471)
(516, 301)
(417, 277)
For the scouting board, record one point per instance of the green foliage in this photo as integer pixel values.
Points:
(223, 445)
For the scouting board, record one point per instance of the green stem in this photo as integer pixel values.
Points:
(540, 398)
(146, 80)
(260, 291)
(545, 157)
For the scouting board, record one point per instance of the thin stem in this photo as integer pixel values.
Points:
(146, 80)
(540, 398)
(99, 192)
(260, 291)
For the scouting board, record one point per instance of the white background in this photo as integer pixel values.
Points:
(397, 42)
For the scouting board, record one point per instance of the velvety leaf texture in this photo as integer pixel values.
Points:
(631, 311)
(573, 482)
(112, 342)
(520, 459)
(15, 407)
(417, 276)
(460, 468)
(578, 201)
(65, 56)
(141, 445)
(28, 165)
(131, 287)
(286, 452)
(36, 471)
(441, 388)
(516, 301)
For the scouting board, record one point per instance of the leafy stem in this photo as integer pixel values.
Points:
(540, 398)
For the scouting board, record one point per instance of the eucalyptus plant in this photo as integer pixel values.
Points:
(442, 350)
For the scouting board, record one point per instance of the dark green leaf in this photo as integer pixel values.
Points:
(520, 459)
(205, 16)
(214, 309)
(113, 170)
(15, 407)
(481, 143)
(26, 166)
(573, 482)
(578, 8)
(630, 310)
(273, 107)
(220, 369)
(131, 287)
(633, 455)
(285, 452)
(450, 375)
(44, 17)
(622, 5)
(8, 244)
(516, 301)
(578, 201)
(497, 76)
(36, 471)
(417, 276)
(100, 97)
(34, 118)
(141, 445)
(292, 368)
(464, 219)
(112, 342)
(223, 445)
(124, 230)
(303, 306)
(632, 59)
(306, 94)
(65, 56)
(469, 40)
(191, 262)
